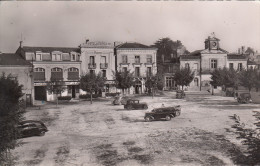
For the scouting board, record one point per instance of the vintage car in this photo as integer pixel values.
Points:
(180, 94)
(163, 113)
(29, 128)
(243, 97)
(119, 100)
(135, 104)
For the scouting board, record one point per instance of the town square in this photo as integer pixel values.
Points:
(133, 83)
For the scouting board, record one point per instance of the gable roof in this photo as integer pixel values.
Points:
(187, 57)
(134, 46)
(11, 59)
(50, 49)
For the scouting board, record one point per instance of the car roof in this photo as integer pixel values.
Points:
(166, 107)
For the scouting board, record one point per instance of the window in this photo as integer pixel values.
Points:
(196, 81)
(231, 65)
(103, 59)
(73, 57)
(56, 74)
(124, 58)
(137, 59)
(187, 65)
(170, 69)
(73, 74)
(39, 74)
(104, 73)
(169, 82)
(56, 57)
(124, 69)
(137, 71)
(240, 66)
(149, 71)
(149, 59)
(92, 60)
(38, 57)
(213, 63)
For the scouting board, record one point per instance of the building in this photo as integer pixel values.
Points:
(203, 62)
(98, 57)
(139, 59)
(53, 64)
(21, 70)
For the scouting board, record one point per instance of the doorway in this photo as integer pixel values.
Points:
(40, 93)
(73, 91)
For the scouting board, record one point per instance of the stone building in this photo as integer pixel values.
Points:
(98, 57)
(53, 64)
(203, 62)
(21, 70)
(139, 59)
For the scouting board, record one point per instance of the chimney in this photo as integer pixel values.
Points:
(87, 41)
(243, 49)
(21, 44)
(239, 51)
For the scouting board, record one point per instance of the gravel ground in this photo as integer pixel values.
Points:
(103, 134)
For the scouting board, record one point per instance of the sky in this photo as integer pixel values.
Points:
(70, 23)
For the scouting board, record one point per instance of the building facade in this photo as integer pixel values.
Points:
(203, 62)
(53, 64)
(20, 70)
(99, 58)
(139, 59)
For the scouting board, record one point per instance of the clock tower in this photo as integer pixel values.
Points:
(212, 43)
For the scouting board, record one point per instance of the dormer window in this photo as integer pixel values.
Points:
(38, 57)
(73, 57)
(56, 57)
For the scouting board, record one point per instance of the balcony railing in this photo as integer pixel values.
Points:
(92, 65)
(103, 65)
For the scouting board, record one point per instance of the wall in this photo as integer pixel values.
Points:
(205, 60)
(235, 63)
(23, 76)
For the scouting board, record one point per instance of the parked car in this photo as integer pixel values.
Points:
(163, 113)
(243, 97)
(135, 104)
(29, 128)
(180, 94)
(120, 100)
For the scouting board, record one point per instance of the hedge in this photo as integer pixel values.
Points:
(87, 96)
(64, 98)
(112, 94)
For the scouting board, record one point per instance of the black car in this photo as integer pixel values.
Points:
(163, 113)
(29, 128)
(135, 104)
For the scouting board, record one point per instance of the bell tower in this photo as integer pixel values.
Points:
(212, 43)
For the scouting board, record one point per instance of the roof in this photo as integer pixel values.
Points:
(134, 46)
(236, 56)
(11, 59)
(189, 57)
(50, 49)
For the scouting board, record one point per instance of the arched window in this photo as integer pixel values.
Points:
(73, 73)
(39, 74)
(56, 74)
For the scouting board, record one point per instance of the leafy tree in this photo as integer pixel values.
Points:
(183, 77)
(257, 79)
(153, 83)
(56, 87)
(124, 80)
(247, 78)
(168, 48)
(11, 113)
(92, 82)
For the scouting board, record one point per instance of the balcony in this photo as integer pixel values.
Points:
(103, 65)
(92, 65)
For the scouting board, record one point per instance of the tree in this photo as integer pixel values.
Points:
(123, 80)
(56, 87)
(183, 77)
(91, 82)
(11, 113)
(257, 79)
(153, 83)
(247, 78)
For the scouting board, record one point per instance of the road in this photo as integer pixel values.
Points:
(99, 134)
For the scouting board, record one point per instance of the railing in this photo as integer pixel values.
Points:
(92, 65)
(103, 65)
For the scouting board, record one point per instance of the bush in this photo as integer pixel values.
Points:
(112, 94)
(64, 98)
(87, 96)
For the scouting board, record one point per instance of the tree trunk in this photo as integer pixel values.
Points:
(182, 87)
(212, 93)
(152, 93)
(91, 97)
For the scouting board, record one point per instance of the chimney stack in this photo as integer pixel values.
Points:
(243, 49)
(87, 41)
(21, 44)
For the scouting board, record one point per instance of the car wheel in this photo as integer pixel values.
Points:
(145, 107)
(148, 119)
(168, 117)
(42, 133)
(177, 113)
(129, 107)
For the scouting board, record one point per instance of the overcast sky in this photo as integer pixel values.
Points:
(68, 24)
